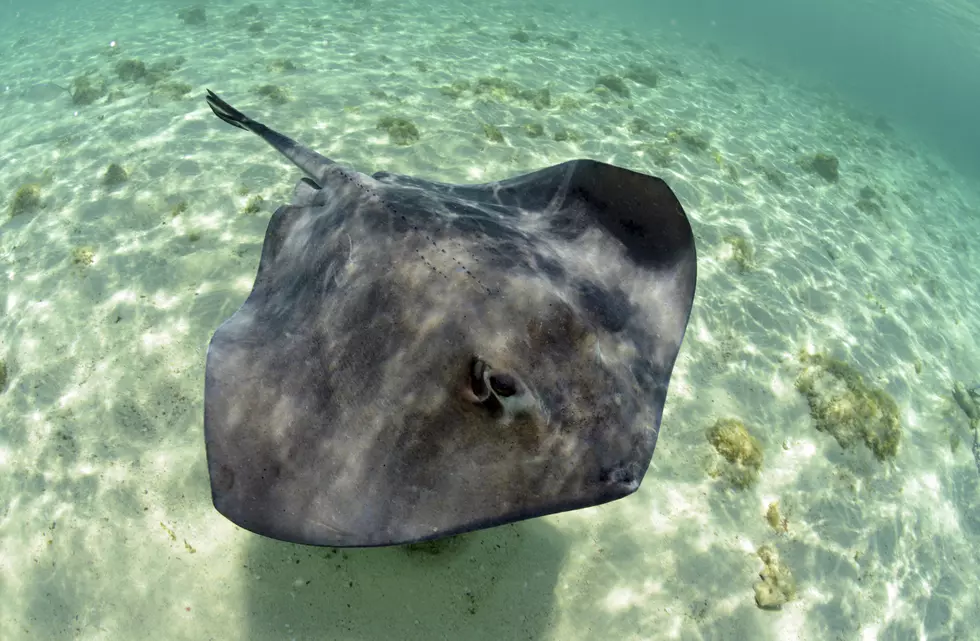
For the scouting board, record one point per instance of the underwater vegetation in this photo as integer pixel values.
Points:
(824, 165)
(274, 93)
(614, 84)
(400, 130)
(253, 205)
(869, 202)
(777, 585)
(520, 35)
(639, 126)
(492, 133)
(843, 405)
(534, 129)
(694, 141)
(503, 90)
(741, 251)
(114, 176)
(643, 75)
(563, 134)
(131, 70)
(193, 16)
(84, 91)
(26, 199)
(3, 375)
(82, 256)
(179, 208)
(741, 451)
(775, 519)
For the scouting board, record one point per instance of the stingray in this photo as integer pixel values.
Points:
(419, 359)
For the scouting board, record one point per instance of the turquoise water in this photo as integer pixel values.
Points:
(114, 281)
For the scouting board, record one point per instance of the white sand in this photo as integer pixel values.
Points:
(106, 525)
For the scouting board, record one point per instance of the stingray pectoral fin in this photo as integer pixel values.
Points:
(313, 164)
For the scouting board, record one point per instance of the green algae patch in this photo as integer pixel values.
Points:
(824, 165)
(273, 93)
(741, 451)
(492, 133)
(253, 205)
(775, 518)
(777, 586)
(26, 199)
(82, 256)
(741, 252)
(843, 405)
(614, 84)
(114, 177)
(400, 130)
(85, 91)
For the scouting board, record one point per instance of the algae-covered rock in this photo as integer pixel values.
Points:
(400, 130)
(3, 375)
(254, 204)
(492, 133)
(114, 176)
(741, 251)
(534, 129)
(26, 199)
(193, 16)
(843, 405)
(777, 586)
(643, 75)
(85, 90)
(274, 93)
(131, 70)
(563, 134)
(741, 451)
(614, 84)
(824, 165)
(694, 141)
(775, 518)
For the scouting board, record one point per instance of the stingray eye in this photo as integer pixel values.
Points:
(503, 384)
(478, 382)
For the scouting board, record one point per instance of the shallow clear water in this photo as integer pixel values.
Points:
(111, 292)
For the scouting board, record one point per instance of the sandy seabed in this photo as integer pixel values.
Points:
(110, 294)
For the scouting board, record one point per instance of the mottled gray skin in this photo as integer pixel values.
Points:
(419, 359)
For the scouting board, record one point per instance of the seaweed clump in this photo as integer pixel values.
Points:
(534, 129)
(843, 405)
(400, 130)
(693, 141)
(114, 176)
(502, 90)
(777, 585)
(85, 92)
(614, 84)
(492, 133)
(869, 201)
(26, 199)
(643, 75)
(824, 165)
(741, 251)
(131, 70)
(740, 449)
(193, 16)
(274, 93)
(253, 205)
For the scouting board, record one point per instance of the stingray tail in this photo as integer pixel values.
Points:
(229, 114)
(313, 164)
